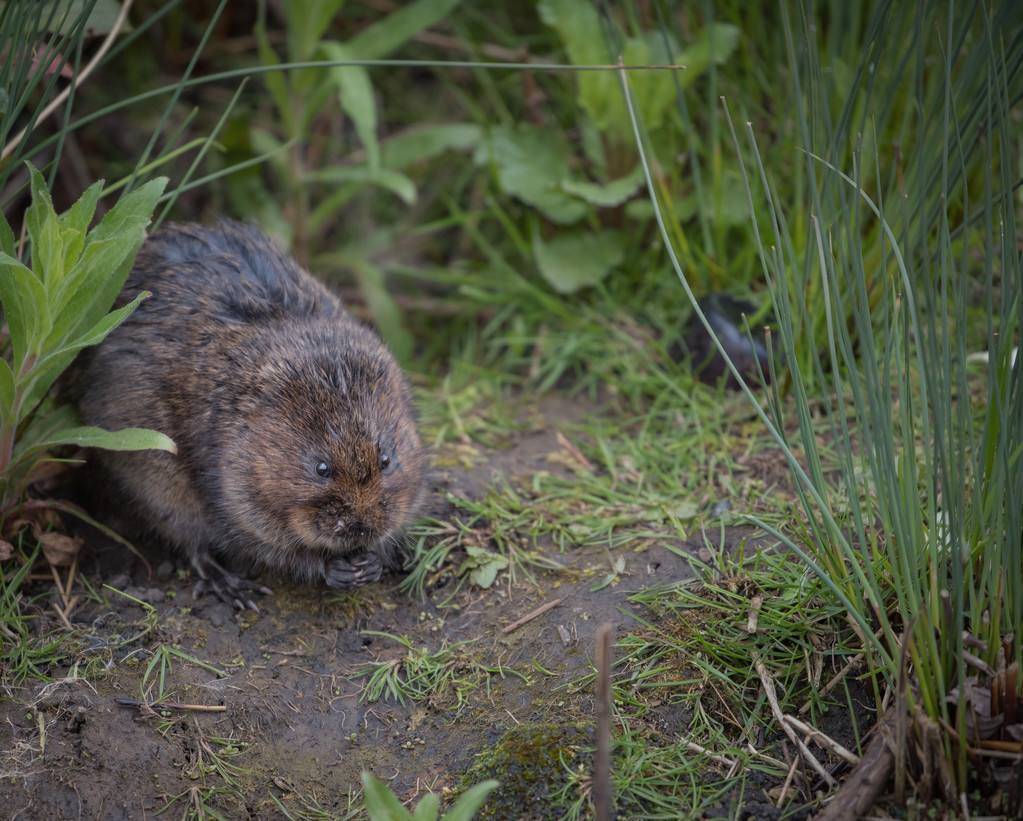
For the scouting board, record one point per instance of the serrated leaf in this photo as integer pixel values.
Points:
(570, 262)
(91, 290)
(380, 39)
(355, 93)
(424, 142)
(381, 803)
(470, 801)
(531, 163)
(606, 195)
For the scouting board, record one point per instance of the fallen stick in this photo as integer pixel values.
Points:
(543, 608)
(172, 705)
(824, 740)
(862, 786)
(779, 716)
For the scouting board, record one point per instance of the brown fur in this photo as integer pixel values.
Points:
(258, 374)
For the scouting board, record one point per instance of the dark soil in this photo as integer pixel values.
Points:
(291, 692)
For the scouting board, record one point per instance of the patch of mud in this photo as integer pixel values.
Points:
(291, 728)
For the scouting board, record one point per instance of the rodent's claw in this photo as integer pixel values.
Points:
(343, 573)
(226, 586)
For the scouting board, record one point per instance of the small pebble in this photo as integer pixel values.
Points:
(154, 595)
(164, 570)
(120, 581)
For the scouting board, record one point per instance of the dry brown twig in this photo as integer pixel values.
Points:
(772, 699)
(602, 760)
(539, 611)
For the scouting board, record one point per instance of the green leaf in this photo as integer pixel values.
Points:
(355, 93)
(129, 439)
(7, 240)
(531, 163)
(276, 81)
(424, 142)
(386, 313)
(607, 195)
(92, 286)
(53, 364)
(578, 25)
(393, 31)
(307, 20)
(393, 181)
(381, 803)
(428, 808)
(714, 45)
(79, 216)
(570, 262)
(25, 307)
(470, 801)
(6, 395)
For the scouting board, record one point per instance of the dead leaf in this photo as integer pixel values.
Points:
(59, 550)
(6, 550)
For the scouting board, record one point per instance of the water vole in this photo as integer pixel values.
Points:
(297, 445)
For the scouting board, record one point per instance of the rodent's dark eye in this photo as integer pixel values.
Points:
(323, 469)
(386, 462)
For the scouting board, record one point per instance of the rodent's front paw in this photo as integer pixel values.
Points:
(226, 586)
(343, 573)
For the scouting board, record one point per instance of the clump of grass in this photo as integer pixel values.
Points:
(917, 549)
(421, 674)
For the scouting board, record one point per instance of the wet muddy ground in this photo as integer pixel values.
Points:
(293, 725)
(273, 715)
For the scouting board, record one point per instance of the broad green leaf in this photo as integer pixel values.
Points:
(25, 307)
(355, 93)
(38, 214)
(7, 240)
(531, 163)
(653, 92)
(424, 142)
(95, 288)
(578, 25)
(6, 394)
(53, 364)
(126, 439)
(428, 808)
(470, 801)
(393, 181)
(380, 39)
(715, 44)
(570, 262)
(381, 803)
(607, 195)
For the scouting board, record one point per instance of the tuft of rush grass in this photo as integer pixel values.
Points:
(420, 674)
(695, 731)
(917, 551)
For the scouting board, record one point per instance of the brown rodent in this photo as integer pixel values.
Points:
(297, 444)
